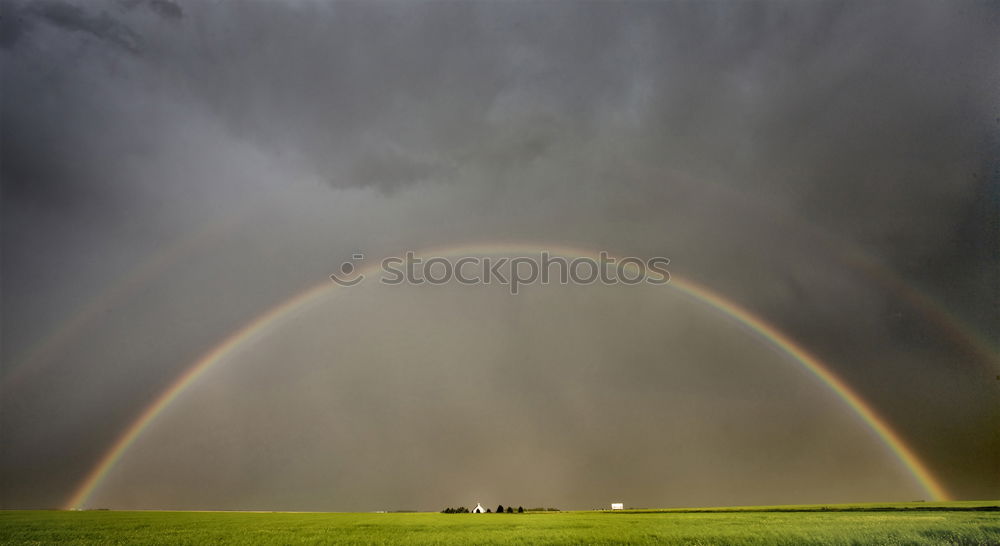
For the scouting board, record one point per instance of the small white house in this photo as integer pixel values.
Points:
(479, 509)
(618, 506)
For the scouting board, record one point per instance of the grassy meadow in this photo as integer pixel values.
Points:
(964, 523)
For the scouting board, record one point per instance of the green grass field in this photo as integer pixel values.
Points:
(907, 523)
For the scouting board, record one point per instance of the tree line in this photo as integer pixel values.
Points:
(500, 510)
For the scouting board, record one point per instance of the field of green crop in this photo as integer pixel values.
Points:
(916, 523)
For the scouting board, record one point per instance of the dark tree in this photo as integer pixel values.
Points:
(520, 509)
(499, 509)
(488, 510)
(510, 510)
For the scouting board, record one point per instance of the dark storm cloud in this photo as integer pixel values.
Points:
(811, 106)
(822, 98)
(165, 8)
(62, 119)
(767, 148)
(72, 18)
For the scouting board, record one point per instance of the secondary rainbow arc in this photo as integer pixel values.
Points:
(284, 310)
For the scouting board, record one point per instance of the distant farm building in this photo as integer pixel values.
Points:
(618, 506)
(479, 509)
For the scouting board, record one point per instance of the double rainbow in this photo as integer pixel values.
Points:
(270, 319)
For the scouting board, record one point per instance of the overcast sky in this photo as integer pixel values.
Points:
(170, 170)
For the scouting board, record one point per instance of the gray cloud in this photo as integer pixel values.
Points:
(74, 18)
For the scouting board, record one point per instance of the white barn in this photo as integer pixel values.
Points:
(618, 506)
(479, 509)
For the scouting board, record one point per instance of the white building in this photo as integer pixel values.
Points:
(618, 506)
(479, 509)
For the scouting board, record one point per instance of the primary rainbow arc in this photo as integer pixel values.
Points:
(277, 314)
